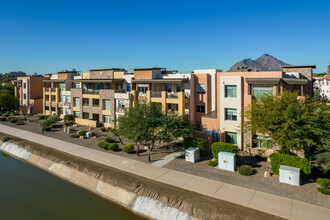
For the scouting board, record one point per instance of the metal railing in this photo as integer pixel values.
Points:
(46, 89)
(172, 95)
(53, 89)
(155, 94)
(92, 92)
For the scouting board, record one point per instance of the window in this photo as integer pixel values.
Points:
(46, 108)
(129, 87)
(121, 103)
(85, 102)
(98, 86)
(231, 137)
(62, 86)
(179, 87)
(76, 102)
(67, 99)
(259, 91)
(96, 102)
(231, 91)
(53, 109)
(142, 89)
(200, 88)
(106, 104)
(200, 107)
(24, 96)
(77, 85)
(24, 85)
(262, 141)
(231, 114)
(62, 98)
(67, 111)
(60, 110)
(168, 87)
(76, 114)
(119, 86)
(85, 115)
(107, 119)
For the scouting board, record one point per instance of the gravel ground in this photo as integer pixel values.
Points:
(305, 193)
(32, 126)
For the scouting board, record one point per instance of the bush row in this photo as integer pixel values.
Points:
(195, 142)
(223, 147)
(108, 146)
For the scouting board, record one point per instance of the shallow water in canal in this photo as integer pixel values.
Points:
(29, 193)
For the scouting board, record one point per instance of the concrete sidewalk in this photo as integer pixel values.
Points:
(276, 205)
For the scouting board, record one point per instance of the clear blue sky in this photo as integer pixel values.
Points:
(48, 36)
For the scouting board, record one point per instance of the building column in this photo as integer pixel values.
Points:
(164, 105)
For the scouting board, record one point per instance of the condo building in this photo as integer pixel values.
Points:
(322, 84)
(28, 91)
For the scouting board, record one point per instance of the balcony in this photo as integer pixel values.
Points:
(47, 89)
(53, 89)
(120, 109)
(172, 95)
(90, 92)
(155, 94)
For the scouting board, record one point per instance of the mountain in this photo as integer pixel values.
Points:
(264, 63)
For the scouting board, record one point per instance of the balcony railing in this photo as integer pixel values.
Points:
(46, 89)
(155, 94)
(121, 110)
(91, 92)
(53, 89)
(172, 95)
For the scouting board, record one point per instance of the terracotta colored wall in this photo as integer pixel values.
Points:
(38, 106)
(143, 74)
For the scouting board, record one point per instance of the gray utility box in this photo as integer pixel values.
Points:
(89, 134)
(226, 161)
(290, 175)
(192, 154)
(68, 129)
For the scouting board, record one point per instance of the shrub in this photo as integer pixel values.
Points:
(68, 123)
(103, 145)
(24, 114)
(47, 128)
(245, 170)
(5, 139)
(108, 140)
(324, 182)
(47, 116)
(74, 135)
(258, 157)
(68, 117)
(324, 191)
(213, 163)
(13, 120)
(41, 117)
(45, 123)
(82, 133)
(103, 129)
(6, 114)
(195, 142)
(53, 125)
(113, 146)
(128, 148)
(53, 118)
(20, 123)
(223, 147)
(3, 119)
(288, 160)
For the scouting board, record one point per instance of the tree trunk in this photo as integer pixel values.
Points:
(120, 140)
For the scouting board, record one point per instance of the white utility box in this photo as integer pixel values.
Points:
(192, 154)
(226, 161)
(289, 175)
(68, 129)
(89, 134)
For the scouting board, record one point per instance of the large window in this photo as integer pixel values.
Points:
(231, 137)
(77, 85)
(67, 111)
(231, 91)
(60, 110)
(180, 87)
(128, 87)
(62, 98)
(119, 86)
(106, 104)
(85, 102)
(259, 91)
(67, 99)
(200, 107)
(107, 119)
(24, 85)
(142, 89)
(85, 115)
(76, 102)
(76, 114)
(200, 88)
(262, 141)
(121, 103)
(231, 114)
(62, 86)
(95, 102)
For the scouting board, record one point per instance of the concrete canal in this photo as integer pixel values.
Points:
(29, 193)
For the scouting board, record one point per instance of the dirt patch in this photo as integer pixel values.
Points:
(197, 205)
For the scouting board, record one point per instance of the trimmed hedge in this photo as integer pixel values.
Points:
(5, 139)
(324, 191)
(3, 119)
(20, 123)
(195, 142)
(47, 128)
(68, 123)
(103, 129)
(245, 170)
(13, 120)
(324, 182)
(223, 147)
(213, 163)
(128, 148)
(258, 157)
(103, 145)
(68, 117)
(278, 159)
(82, 133)
(6, 114)
(41, 116)
(108, 140)
(74, 135)
(113, 147)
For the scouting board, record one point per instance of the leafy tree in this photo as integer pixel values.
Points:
(323, 153)
(328, 70)
(292, 122)
(7, 100)
(238, 68)
(145, 123)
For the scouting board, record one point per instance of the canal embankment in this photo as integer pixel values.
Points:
(141, 195)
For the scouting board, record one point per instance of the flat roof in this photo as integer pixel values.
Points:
(259, 81)
(300, 66)
(120, 69)
(149, 68)
(61, 72)
(295, 81)
(98, 80)
(54, 80)
(167, 80)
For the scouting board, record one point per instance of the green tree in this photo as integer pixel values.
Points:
(7, 100)
(145, 123)
(328, 70)
(292, 122)
(323, 153)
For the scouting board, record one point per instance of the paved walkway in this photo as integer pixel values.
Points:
(165, 160)
(276, 205)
